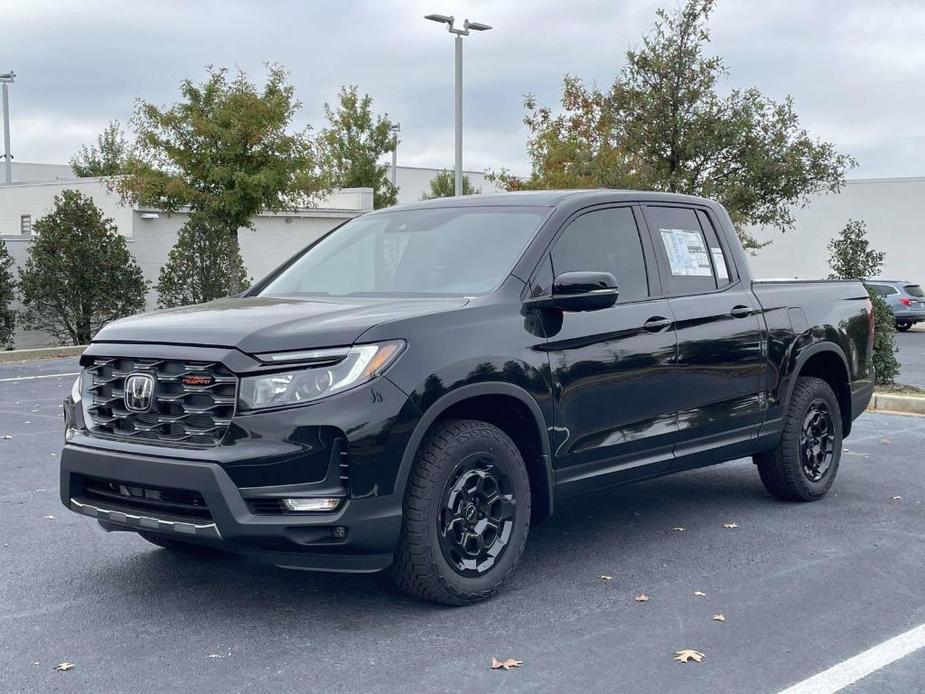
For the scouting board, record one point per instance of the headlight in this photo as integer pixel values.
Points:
(75, 390)
(326, 372)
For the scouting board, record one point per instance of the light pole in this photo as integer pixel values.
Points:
(5, 79)
(396, 128)
(459, 33)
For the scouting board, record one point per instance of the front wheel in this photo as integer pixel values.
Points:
(903, 325)
(466, 514)
(803, 465)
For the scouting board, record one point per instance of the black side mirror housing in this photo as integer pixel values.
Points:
(579, 291)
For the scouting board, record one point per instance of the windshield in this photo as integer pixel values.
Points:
(453, 250)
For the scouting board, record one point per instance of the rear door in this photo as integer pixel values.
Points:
(721, 362)
(612, 370)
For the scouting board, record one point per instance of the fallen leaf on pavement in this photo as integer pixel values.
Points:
(50, 517)
(605, 578)
(65, 666)
(897, 498)
(700, 594)
(641, 598)
(6, 436)
(884, 440)
(504, 664)
(688, 655)
(730, 525)
(719, 618)
(678, 530)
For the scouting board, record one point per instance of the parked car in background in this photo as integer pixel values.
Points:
(905, 299)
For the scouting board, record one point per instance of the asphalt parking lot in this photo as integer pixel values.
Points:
(802, 588)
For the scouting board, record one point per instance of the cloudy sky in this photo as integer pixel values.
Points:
(856, 68)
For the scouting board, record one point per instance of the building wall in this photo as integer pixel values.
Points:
(24, 172)
(894, 210)
(37, 200)
(414, 181)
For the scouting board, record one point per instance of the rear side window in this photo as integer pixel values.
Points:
(883, 289)
(914, 290)
(605, 241)
(683, 250)
(722, 269)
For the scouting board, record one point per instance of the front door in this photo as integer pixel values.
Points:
(612, 370)
(721, 364)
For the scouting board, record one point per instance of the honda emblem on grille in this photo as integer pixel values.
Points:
(139, 392)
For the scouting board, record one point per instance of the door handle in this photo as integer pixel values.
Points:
(656, 324)
(740, 311)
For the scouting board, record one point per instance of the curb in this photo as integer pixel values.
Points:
(41, 353)
(904, 404)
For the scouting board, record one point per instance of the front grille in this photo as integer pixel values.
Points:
(161, 501)
(195, 413)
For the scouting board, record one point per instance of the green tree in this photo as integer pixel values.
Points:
(203, 265)
(851, 257)
(663, 125)
(353, 144)
(443, 185)
(79, 274)
(106, 158)
(7, 289)
(224, 151)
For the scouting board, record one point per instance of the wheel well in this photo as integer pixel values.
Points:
(514, 418)
(831, 368)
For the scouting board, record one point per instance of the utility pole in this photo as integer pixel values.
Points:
(396, 128)
(6, 79)
(459, 33)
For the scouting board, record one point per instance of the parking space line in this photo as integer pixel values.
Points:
(860, 666)
(35, 378)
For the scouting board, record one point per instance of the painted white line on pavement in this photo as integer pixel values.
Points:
(861, 665)
(32, 378)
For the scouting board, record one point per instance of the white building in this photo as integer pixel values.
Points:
(892, 208)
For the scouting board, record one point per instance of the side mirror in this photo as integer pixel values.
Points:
(579, 291)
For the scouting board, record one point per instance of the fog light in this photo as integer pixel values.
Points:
(338, 532)
(315, 504)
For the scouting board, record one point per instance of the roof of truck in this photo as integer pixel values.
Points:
(550, 198)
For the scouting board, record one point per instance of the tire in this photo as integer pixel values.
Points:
(903, 325)
(803, 469)
(467, 475)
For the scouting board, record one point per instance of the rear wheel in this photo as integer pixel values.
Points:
(903, 325)
(467, 514)
(803, 465)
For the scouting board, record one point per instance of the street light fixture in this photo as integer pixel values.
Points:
(395, 129)
(5, 79)
(459, 33)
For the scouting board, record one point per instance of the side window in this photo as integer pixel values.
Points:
(682, 249)
(605, 241)
(721, 267)
(884, 289)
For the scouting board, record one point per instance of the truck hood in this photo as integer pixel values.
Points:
(269, 324)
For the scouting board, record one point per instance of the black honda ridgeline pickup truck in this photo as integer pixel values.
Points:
(423, 384)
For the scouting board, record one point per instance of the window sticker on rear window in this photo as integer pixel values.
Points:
(719, 262)
(687, 253)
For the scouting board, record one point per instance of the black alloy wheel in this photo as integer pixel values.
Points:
(476, 516)
(817, 441)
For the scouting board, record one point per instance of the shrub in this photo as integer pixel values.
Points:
(79, 274)
(7, 286)
(203, 265)
(851, 257)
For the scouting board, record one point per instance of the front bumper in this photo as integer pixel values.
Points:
(301, 541)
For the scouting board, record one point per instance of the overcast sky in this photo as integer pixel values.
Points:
(856, 68)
